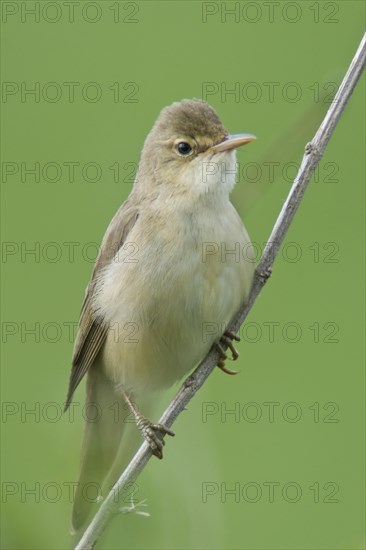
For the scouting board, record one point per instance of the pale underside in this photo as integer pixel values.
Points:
(184, 286)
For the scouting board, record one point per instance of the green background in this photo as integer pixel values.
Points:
(316, 435)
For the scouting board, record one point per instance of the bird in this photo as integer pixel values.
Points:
(170, 264)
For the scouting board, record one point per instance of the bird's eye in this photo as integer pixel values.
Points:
(183, 148)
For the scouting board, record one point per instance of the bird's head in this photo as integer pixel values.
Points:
(189, 151)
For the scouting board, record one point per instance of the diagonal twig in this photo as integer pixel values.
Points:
(313, 153)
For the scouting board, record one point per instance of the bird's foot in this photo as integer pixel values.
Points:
(153, 434)
(227, 340)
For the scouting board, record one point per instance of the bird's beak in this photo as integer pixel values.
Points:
(232, 142)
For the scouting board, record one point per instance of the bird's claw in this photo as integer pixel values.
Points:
(153, 435)
(227, 339)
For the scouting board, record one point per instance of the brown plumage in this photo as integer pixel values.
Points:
(167, 291)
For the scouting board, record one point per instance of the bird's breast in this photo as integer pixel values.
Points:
(174, 297)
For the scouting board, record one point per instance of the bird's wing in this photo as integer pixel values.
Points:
(92, 330)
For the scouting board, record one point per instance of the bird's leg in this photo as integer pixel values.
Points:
(152, 433)
(227, 339)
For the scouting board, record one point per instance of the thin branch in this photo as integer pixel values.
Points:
(313, 153)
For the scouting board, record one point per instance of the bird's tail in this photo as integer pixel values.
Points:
(107, 419)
